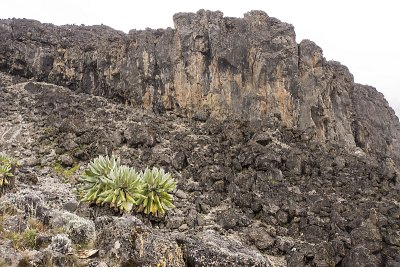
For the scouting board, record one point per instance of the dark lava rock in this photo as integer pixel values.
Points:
(138, 135)
(317, 95)
(255, 128)
(210, 249)
(260, 237)
(126, 241)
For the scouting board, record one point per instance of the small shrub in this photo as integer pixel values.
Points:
(37, 225)
(24, 240)
(157, 186)
(5, 174)
(7, 168)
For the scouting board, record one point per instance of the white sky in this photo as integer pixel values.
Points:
(363, 35)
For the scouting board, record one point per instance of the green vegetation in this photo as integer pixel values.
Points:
(5, 174)
(7, 168)
(156, 187)
(124, 191)
(29, 238)
(66, 173)
(101, 167)
(95, 179)
(107, 181)
(25, 239)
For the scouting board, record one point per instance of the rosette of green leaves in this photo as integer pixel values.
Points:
(157, 185)
(5, 174)
(5, 159)
(125, 189)
(7, 167)
(95, 179)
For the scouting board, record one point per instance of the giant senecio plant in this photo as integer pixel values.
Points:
(106, 181)
(124, 190)
(7, 168)
(95, 179)
(156, 191)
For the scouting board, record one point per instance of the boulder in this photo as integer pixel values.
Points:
(208, 248)
(126, 241)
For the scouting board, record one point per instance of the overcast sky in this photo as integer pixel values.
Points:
(363, 35)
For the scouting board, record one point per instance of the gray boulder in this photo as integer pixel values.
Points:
(126, 241)
(208, 248)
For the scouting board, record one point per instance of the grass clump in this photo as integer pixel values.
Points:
(29, 238)
(24, 240)
(66, 173)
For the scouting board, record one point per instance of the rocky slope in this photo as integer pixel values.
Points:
(208, 66)
(281, 160)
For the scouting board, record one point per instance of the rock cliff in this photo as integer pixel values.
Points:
(281, 159)
(209, 65)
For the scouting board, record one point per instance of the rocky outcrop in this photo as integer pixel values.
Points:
(280, 159)
(209, 66)
(374, 122)
(249, 193)
(210, 249)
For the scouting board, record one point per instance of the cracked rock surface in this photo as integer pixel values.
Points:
(280, 159)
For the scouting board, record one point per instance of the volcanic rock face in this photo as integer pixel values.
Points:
(209, 65)
(281, 159)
